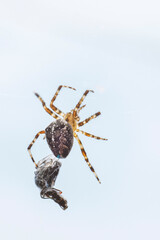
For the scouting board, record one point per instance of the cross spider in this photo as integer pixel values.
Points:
(59, 134)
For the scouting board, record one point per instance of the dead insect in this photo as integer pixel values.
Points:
(59, 134)
(45, 176)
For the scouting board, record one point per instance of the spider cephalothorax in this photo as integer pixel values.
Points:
(59, 134)
(71, 118)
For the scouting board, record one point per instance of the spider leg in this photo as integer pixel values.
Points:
(88, 119)
(54, 98)
(81, 108)
(81, 100)
(85, 156)
(46, 109)
(90, 135)
(29, 147)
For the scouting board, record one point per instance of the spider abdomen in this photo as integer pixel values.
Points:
(59, 136)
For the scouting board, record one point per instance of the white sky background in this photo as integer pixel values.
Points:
(113, 48)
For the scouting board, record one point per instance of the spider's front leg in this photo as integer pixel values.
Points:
(85, 156)
(44, 106)
(29, 147)
(82, 99)
(54, 98)
(80, 124)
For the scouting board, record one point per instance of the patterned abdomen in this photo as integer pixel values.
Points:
(59, 135)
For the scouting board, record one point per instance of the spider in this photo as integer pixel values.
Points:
(59, 134)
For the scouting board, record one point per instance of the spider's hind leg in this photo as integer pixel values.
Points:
(85, 156)
(54, 98)
(29, 147)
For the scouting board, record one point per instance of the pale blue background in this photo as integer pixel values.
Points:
(112, 47)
